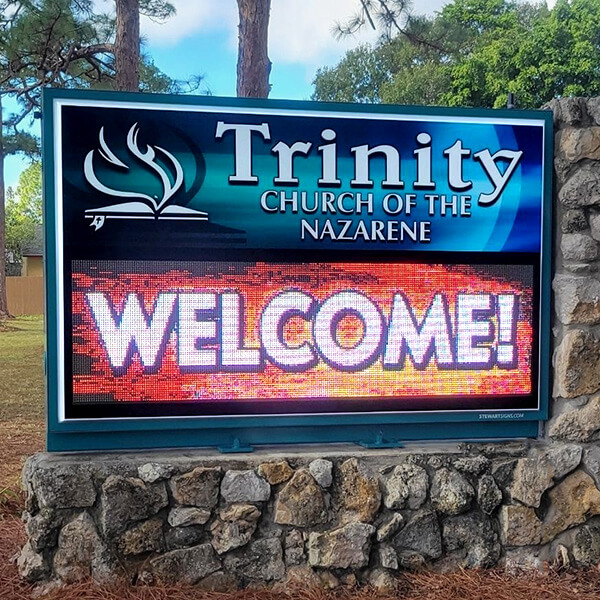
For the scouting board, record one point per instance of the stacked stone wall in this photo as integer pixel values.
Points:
(342, 515)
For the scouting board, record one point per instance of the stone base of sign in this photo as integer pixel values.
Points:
(334, 515)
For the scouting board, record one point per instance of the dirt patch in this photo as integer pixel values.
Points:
(20, 438)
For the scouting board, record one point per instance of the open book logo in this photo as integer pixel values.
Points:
(155, 160)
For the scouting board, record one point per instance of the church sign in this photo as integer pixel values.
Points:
(273, 272)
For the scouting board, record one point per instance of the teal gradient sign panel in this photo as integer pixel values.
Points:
(289, 179)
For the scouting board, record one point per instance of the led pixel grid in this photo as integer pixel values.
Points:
(283, 332)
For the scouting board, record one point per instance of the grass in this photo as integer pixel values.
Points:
(21, 398)
(22, 376)
(22, 432)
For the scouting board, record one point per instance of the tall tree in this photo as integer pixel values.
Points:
(127, 45)
(254, 66)
(41, 42)
(23, 215)
(127, 38)
(390, 17)
(62, 43)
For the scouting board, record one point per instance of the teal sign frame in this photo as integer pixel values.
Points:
(478, 183)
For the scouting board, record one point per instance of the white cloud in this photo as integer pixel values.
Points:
(301, 31)
(193, 17)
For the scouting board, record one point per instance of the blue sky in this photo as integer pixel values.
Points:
(201, 39)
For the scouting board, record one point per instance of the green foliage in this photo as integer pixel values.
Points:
(62, 43)
(158, 10)
(476, 52)
(388, 15)
(358, 78)
(23, 215)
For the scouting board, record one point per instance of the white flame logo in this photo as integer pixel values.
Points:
(149, 207)
(147, 157)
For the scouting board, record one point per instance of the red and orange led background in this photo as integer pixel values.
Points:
(95, 378)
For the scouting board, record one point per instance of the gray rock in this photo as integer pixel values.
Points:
(184, 537)
(489, 495)
(473, 538)
(564, 458)
(577, 425)
(183, 516)
(554, 107)
(357, 491)
(382, 581)
(563, 170)
(577, 299)
(503, 472)
(573, 221)
(125, 500)
(532, 477)
(221, 582)
(388, 558)
(593, 109)
(199, 487)
(322, 471)
(435, 461)
(407, 485)
(347, 547)
(244, 486)
(451, 493)
(186, 566)
(577, 364)
(515, 448)
(520, 526)
(81, 553)
(152, 472)
(294, 548)
(32, 565)
(579, 247)
(261, 560)
(579, 268)
(595, 225)
(572, 111)
(582, 188)
(275, 472)
(571, 502)
(301, 502)
(586, 546)
(591, 460)
(64, 486)
(234, 527)
(519, 560)
(421, 535)
(42, 529)
(389, 526)
(141, 538)
(472, 465)
(575, 144)
(328, 580)
(302, 576)
(412, 561)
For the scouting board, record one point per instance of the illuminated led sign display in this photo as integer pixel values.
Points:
(280, 272)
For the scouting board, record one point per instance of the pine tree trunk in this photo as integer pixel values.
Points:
(3, 299)
(253, 66)
(127, 45)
